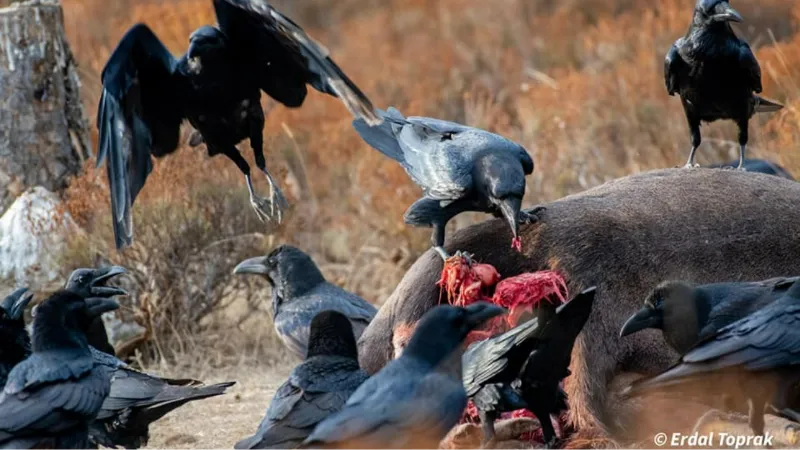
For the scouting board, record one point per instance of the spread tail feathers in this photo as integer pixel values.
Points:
(382, 137)
(177, 396)
(764, 105)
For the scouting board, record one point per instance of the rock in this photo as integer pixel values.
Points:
(32, 236)
(44, 135)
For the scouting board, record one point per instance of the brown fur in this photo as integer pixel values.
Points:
(626, 236)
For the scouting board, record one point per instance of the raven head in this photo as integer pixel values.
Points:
(708, 12)
(502, 178)
(12, 307)
(92, 282)
(203, 42)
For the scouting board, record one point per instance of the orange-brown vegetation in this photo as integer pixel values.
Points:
(579, 83)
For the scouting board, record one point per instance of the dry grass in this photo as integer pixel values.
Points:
(579, 83)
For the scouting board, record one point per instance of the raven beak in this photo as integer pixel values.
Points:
(21, 299)
(97, 306)
(253, 265)
(724, 13)
(101, 277)
(510, 207)
(647, 317)
(480, 312)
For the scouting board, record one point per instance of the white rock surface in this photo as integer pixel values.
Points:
(33, 233)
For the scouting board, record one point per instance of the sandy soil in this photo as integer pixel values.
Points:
(218, 423)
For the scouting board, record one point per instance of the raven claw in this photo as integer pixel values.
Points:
(531, 216)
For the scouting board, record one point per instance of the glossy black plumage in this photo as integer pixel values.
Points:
(216, 86)
(417, 398)
(715, 73)
(687, 314)
(459, 168)
(51, 397)
(15, 344)
(316, 388)
(755, 359)
(300, 292)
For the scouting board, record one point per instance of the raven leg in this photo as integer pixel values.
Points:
(756, 414)
(259, 204)
(277, 202)
(548, 432)
(437, 240)
(694, 130)
(487, 424)
(743, 135)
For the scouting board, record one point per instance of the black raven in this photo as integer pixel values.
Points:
(417, 398)
(753, 360)
(715, 73)
(52, 396)
(757, 165)
(549, 363)
(317, 388)
(686, 314)
(491, 370)
(15, 344)
(216, 86)
(92, 283)
(300, 292)
(459, 168)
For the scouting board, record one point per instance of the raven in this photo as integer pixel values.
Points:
(317, 388)
(758, 165)
(715, 73)
(754, 359)
(15, 344)
(686, 314)
(51, 397)
(92, 283)
(417, 398)
(216, 86)
(459, 168)
(549, 363)
(300, 292)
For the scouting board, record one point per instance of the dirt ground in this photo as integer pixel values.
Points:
(218, 423)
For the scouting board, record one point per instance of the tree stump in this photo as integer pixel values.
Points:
(43, 132)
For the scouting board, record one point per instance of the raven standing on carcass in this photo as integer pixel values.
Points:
(216, 86)
(459, 168)
(715, 73)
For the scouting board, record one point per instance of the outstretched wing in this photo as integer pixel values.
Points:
(673, 65)
(140, 114)
(286, 58)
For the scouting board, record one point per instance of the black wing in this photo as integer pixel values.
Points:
(53, 407)
(286, 58)
(749, 63)
(486, 359)
(673, 65)
(140, 114)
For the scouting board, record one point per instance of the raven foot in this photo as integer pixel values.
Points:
(268, 210)
(442, 252)
(690, 166)
(530, 216)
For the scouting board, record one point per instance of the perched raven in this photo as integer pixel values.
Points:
(754, 359)
(491, 370)
(549, 363)
(758, 165)
(15, 344)
(52, 396)
(216, 86)
(300, 292)
(417, 398)
(317, 388)
(92, 283)
(715, 73)
(686, 314)
(459, 168)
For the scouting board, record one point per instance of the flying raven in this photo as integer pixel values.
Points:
(459, 168)
(317, 388)
(51, 397)
(687, 314)
(417, 398)
(15, 344)
(300, 292)
(715, 73)
(216, 86)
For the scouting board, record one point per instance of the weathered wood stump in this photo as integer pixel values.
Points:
(43, 133)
